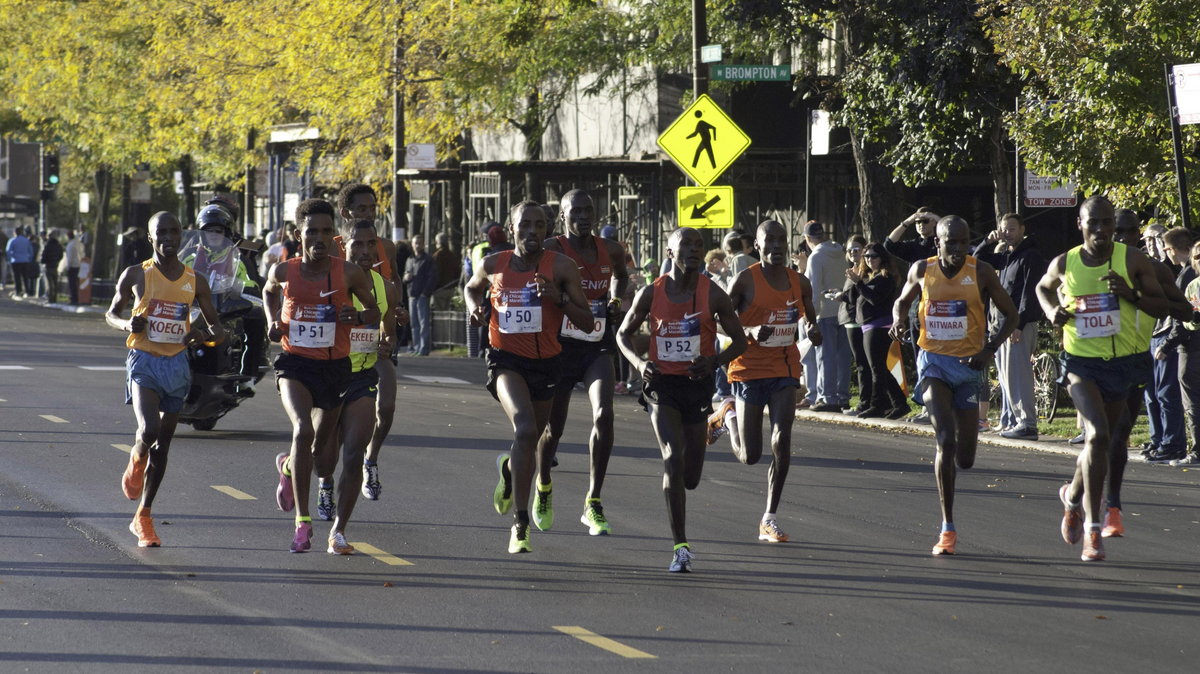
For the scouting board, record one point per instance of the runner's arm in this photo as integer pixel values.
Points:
(638, 311)
(360, 287)
(989, 284)
(908, 295)
(388, 321)
(570, 295)
(474, 291)
(810, 323)
(124, 295)
(1047, 292)
(209, 311)
(727, 318)
(273, 302)
(616, 254)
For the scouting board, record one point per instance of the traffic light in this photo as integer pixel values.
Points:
(50, 171)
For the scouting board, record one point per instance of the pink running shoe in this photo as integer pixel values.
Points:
(303, 540)
(283, 493)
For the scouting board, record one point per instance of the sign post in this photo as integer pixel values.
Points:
(1183, 102)
(703, 141)
(1040, 192)
(706, 207)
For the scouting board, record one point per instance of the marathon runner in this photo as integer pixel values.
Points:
(586, 358)
(367, 344)
(531, 289)
(356, 202)
(307, 301)
(770, 298)
(1102, 293)
(157, 375)
(684, 308)
(955, 351)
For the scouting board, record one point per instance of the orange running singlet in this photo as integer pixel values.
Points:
(778, 355)
(522, 323)
(310, 312)
(596, 277)
(680, 331)
(951, 311)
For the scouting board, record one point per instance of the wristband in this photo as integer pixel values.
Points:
(562, 300)
(1136, 295)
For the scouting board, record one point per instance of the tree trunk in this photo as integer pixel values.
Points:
(101, 237)
(879, 198)
(1002, 171)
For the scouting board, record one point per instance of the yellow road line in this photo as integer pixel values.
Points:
(122, 448)
(382, 556)
(53, 419)
(598, 641)
(2, 400)
(236, 493)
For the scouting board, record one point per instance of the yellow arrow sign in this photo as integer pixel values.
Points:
(703, 141)
(706, 207)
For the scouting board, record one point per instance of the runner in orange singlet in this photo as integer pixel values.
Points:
(684, 308)
(531, 289)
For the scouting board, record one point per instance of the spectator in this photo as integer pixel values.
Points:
(3, 258)
(827, 272)
(735, 253)
(609, 232)
(446, 263)
(420, 275)
(20, 257)
(923, 248)
(878, 280)
(848, 319)
(1020, 267)
(52, 255)
(1165, 409)
(494, 241)
(135, 248)
(715, 267)
(73, 261)
(1179, 244)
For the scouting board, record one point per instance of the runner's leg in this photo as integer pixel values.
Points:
(385, 407)
(782, 408)
(746, 435)
(945, 419)
(297, 402)
(599, 381)
(357, 424)
(668, 427)
(518, 406)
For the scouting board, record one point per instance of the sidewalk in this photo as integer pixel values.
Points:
(68, 308)
(1046, 443)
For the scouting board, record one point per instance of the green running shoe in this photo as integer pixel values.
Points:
(502, 496)
(543, 508)
(519, 541)
(593, 517)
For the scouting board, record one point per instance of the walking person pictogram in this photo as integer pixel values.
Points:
(707, 133)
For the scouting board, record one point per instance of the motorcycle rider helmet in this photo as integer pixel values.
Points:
(215, 217)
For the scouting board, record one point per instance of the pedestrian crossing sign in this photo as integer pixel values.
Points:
(706, 207)
(703, 141)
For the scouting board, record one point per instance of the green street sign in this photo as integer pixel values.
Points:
(751, 73)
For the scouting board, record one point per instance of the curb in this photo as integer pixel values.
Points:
(1049, 445)
(65, 308)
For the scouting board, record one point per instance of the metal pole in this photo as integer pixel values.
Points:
(399, 193)
(1177, 142)
(699, 37)
(1019, 178)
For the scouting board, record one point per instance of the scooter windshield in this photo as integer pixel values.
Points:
(213, 256)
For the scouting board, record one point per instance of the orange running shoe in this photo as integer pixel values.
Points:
(1093, 547)
(716, 421)
(142, 526)
(1072, 522)
(135, 476)
(1113, 527)
(946, 543)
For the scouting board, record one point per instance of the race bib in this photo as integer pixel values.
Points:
(166, 322)
(946, 320)
(679, 341)
(599, 320)
(313, 326)
(519, 311)
(364, 339)
(783, 327)
(1097, 315)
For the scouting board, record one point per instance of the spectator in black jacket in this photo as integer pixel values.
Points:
(1020, 267)
(52, 254)
(877, 281)
(923, 247)
(848, 319)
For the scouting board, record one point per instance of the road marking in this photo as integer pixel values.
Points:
(380, 554)
(53, 419)
(14, 367)
(122, 448)
(103, 368)
(602, 642)
(2, 400)
(435, 380)
(236, 493)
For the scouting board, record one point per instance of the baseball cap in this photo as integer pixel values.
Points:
(608, 232)
(814, 228)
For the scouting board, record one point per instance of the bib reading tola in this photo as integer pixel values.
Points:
(951, 310)
(1103, 325)
(167, 305)
(679, 332)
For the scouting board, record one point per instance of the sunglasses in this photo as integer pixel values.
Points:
(872, 256)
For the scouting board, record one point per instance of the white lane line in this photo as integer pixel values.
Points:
(587, 636)
(236, 493)
(53, 419)
(103, 368)
(14, 367)
(434, 380)
(2, 400)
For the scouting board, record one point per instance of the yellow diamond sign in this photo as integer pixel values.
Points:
(703, 141)
(706, 207)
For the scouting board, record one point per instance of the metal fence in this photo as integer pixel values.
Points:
(449, 328)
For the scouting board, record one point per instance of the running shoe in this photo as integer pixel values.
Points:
(1113, 526)
(543, 508)
(921, 417)
(134, 478)
(620, 388)
(519, 540)
(682, 561)
(283, 493)
(1072, 522)
(826, 407)
(716, 421)
(768, 530)
(371, 487)
(326, 508)
(593, 517)
(1166, 456)
(984, 426)
(142, 526)
(338, 545)
(946, 542)
(1190, 459)
(303, 538)
(1093, 547)
(1077, 440)
(502, 496)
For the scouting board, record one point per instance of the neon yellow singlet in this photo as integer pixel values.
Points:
(1103, 325)
(364, 339)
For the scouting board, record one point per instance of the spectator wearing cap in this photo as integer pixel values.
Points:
(494, 241)
(923, 247)
(826, 271)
